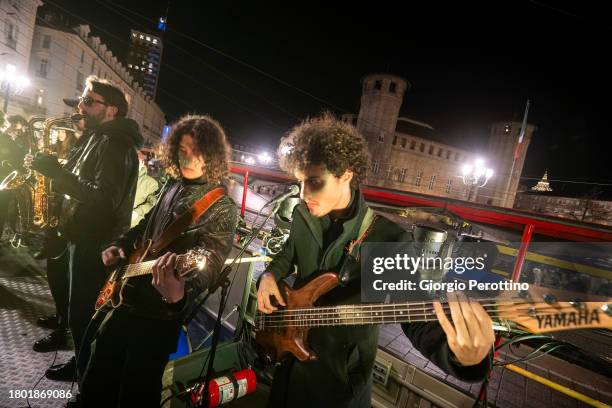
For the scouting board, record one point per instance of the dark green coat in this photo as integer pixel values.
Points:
(341, 377)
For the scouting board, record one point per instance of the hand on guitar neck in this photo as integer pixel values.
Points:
(470, 334)
(165, 279)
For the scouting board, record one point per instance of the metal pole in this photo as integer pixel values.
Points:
(522, 253)
(245, 186)
(215, 341)
(506, 193)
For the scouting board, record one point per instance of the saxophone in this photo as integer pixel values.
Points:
(42, 194)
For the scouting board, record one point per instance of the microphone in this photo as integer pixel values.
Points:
(293, 190)
(430, 244)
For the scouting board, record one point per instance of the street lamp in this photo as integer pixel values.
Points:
(475, 176)
(265, 158)
(11, 82)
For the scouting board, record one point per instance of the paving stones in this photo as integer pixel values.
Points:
(24, 297)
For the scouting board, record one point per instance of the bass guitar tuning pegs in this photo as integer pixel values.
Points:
(578, 304)
(550, 299)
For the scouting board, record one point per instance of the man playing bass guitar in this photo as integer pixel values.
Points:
(330, 159)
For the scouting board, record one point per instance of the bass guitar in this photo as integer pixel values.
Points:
(285, 331)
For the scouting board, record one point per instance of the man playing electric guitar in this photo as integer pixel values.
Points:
(131, 347)
(329, 158)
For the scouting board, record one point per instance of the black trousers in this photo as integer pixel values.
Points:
(58, 274)
(311, 384)
(127, 361)
(87, 276)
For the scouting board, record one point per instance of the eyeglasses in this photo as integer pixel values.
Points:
(88, 101)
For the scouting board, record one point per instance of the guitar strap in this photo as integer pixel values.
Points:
(364, 230)
(176, 228)
(187, 218)
(352, 248)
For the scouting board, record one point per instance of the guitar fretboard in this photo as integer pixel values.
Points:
(144, 268)
(349, 315)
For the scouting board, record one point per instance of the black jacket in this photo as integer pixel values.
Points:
(98, 183)
(214, 230)
(341, 377)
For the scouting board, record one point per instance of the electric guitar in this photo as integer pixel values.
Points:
(195, 259)
(112, 291)
(285, 331)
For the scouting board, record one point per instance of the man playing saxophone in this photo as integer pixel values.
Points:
(98, 194)
(54, 247)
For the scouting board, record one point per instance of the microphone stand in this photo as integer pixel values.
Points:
(224, 283)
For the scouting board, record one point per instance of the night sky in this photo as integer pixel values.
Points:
(469, 64)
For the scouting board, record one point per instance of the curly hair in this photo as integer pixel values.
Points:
(325, 140)
(209, 140)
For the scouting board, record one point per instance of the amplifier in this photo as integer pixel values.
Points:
(399, 384)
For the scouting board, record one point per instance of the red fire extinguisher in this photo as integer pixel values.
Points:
(224, 389)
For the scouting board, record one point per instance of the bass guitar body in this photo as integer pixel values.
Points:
(278, 342)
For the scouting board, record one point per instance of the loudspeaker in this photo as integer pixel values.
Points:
(201, 326)
(240, 277)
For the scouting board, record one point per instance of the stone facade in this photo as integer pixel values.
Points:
(578, 209)
(501, 190)
(412, 156)
(62, 56)
(17, 20)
